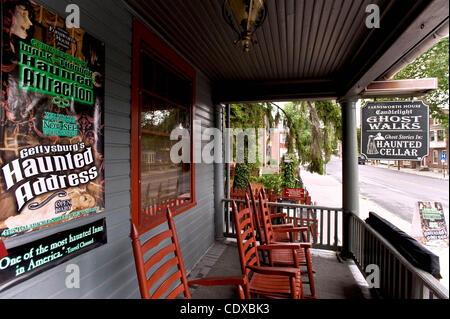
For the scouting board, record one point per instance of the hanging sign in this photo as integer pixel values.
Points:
(26, 261)
(51, 120)
(395, 130)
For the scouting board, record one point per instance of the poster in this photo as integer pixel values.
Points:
(395, 130)
(51, 120)
(431, 222)
(25, 261)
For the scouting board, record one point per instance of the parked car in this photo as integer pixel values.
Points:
(361, 160)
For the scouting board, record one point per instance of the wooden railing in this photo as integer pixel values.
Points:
(325, 222)
(398, 278)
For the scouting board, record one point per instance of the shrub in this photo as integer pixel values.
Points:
(271, 182)
(288, 167)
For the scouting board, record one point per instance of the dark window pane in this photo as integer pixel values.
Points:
(165, 105)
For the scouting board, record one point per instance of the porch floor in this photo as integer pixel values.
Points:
(334, 278)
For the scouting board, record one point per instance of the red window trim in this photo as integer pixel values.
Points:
(143, 39)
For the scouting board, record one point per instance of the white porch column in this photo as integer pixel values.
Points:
(350, 179)
(218, 181)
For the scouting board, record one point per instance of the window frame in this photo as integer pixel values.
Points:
(435, 157)
(440, 138)
(144, 40)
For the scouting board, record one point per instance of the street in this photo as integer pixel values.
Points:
(395, 191)
(390, 193)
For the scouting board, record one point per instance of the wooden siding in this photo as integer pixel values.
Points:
(109, 271)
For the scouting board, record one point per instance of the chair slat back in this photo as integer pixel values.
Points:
(245, 234)
(256, 221)
(164, 277)
(264, 216)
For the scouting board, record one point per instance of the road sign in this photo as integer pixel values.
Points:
(443, 157)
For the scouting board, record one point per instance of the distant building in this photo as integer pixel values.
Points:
(438, 146)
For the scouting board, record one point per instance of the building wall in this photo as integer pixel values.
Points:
(109, 271)
(438, 145)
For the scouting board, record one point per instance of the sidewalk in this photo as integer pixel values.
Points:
(327, 191)
(430, 173)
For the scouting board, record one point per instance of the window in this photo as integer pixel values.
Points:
(432, 136)
(435, 156)
(440, 135)
(163, 94)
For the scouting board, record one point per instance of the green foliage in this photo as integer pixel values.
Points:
(241, 176)
(245, 116)
(314, 131)
(288, 167)
(314, 128)
(434, 63)
(271, 182)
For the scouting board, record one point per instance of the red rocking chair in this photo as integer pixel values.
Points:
(268, 282)
(284, 257)
(160, 282)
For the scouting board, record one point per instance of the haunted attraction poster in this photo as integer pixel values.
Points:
(51, 120)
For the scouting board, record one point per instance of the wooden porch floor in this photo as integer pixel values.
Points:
(334, 279)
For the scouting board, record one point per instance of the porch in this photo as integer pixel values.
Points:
(306, 50)
(336, 277)
(221, 259)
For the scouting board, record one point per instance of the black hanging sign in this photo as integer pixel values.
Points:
(395, 130)
(26, 261)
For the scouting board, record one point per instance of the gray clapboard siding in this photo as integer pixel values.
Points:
(196, 227)
(109, 271)
(109, 266)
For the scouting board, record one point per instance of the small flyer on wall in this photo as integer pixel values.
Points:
(51, 120)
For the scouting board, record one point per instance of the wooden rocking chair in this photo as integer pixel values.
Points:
(285, 257)
(279, 235)
(269, 282)
(161, 280)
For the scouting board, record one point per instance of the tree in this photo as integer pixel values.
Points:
(314, 130)
(433, 63)
(314, 127)
(246, 116)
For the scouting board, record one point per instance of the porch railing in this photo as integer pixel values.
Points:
(398, 278)
(325, 222)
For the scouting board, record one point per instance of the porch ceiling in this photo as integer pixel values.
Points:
(306, 48)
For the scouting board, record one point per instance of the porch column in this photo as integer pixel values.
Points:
(350, 182)
(218, 181)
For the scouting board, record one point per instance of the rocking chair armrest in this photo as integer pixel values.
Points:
(283, 226)
(298, 245)
(290, 229)
(276, 271)
(220, 281)
(278, 215)
(274, 246)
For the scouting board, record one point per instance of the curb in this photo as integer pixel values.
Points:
(408, 171)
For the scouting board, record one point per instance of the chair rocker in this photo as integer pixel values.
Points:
(284, 257)
(163, 279)
(263, 281)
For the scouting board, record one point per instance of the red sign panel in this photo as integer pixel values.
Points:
(294, 193)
